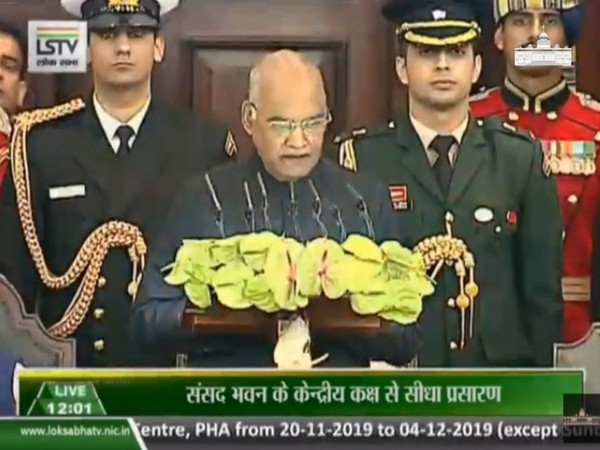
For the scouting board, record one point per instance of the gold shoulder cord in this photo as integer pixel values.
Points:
(90, 258)
(3, 155)
(449, 250)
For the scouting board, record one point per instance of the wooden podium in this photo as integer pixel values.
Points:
(326, 317)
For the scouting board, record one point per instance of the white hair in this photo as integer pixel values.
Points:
(254, 85)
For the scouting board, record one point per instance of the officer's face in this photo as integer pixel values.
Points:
(439, 77)
(12, 86)
(122, 57)
(287, 125)
(522, 28)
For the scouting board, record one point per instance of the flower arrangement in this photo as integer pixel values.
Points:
(276, 273)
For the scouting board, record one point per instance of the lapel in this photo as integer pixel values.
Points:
(91, 149)
(147, 155)
(414, 158)
(471, 155)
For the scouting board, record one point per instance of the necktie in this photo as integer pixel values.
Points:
(442, 168)
(124, 133)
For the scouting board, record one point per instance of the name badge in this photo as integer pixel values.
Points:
(75, 190)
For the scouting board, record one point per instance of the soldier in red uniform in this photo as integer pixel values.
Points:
(567, 123)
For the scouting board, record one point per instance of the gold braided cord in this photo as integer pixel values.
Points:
(407, 26)
(448, 250)
(90, 258)
(3, 155)
(420, 39)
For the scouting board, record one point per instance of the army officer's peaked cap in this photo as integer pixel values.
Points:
(436, 22)
(106, 14)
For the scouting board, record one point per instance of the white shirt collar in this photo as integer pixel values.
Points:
(110, 124)
(427, 135)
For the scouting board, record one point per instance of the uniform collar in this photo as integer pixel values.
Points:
(550, 100)
(110, 124)
(427, 135)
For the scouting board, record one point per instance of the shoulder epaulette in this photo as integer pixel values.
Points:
(230, 146)
(5, 125)
(494, 124)
(485, 93)
(587, 101)
(25, 121)
(345, 143)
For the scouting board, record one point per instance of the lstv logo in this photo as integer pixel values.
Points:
(57, 46)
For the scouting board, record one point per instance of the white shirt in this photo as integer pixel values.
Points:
(427, 135)
(110, 124)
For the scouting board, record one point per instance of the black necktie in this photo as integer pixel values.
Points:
(442, 167)
(124, 133)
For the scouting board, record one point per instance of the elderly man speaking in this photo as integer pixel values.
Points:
(285, 188)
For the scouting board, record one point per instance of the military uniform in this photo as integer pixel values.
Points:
(498, 201)
(501, 204)
(568, 125)
(219, 206)
(66, 183)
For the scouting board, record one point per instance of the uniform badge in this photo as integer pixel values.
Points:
(511, 217)
(569, 157)
(230, 145)
(399, 196)
(483, 215)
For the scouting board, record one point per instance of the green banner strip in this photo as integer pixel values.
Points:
(277, 393)
(69, 434)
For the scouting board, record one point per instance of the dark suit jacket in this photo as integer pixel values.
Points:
(74, 151)
(157, 314)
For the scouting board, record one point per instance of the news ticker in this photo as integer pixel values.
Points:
(456, 429)
(194, 430)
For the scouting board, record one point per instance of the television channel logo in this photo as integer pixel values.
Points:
(57, 46)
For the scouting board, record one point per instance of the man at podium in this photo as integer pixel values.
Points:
(285, 188)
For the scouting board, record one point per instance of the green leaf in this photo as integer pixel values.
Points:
(177, 276)
(365, 304)
(234, 273)
(198, 294)
(363, 248)
(232, 296)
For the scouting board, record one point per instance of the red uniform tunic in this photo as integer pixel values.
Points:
(568, 125)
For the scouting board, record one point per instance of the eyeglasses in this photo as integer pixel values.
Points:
(285, 128)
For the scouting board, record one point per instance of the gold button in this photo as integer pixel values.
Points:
(453, 345)
(480, 123)
(449, 217)
(513, 116)
(101, 282)
(99, 345)
(552, 115)
(98, 313)
(572, 199)
(498, 229)
(451, 303)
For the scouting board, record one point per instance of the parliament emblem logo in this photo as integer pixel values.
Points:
(543, 54)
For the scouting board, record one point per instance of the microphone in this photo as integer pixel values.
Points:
(218, 210)
(317, 208)
(249, 213)
(339, 222)
(363, 210)
(294, 211)
(265, 202)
